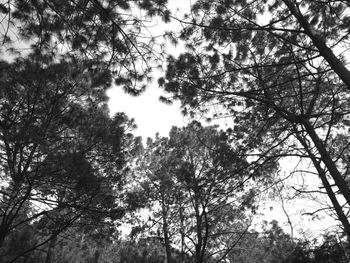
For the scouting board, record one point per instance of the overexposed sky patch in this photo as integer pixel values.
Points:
(151, 116)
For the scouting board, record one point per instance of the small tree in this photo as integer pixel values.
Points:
(197, 181)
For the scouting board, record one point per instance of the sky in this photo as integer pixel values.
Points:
(151, 115)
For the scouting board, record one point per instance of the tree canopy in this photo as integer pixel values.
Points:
(199, 182)
(277, 68)
(62, 156)
(71, 174)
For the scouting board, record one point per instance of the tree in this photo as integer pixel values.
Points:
(107, 36)
(272, 66)
(196, 183)
(62, 155)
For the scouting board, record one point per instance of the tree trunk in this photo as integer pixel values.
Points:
(206, 233)
(327, 160)
(198, 254)
(337, 207)
(166, 232)
(182, 225)
(320, 43)
(49, 255)
(3, 233)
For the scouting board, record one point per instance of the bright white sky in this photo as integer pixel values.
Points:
(151, 116)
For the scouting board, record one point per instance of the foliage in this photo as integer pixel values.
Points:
(108, 36)
(62, 155)
(196, 184)
(273, 245)
(19, 241)
(63, 158)
(269, 245)
(145, 250)
(271, 65)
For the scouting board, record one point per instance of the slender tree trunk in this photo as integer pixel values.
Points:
(337, 207)
(3, 231)
(49, 255)
(320, 43)
(327, 160)
(166, 232)
(199, 232)
(182, 233)
(2, 237)
(205, 225)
